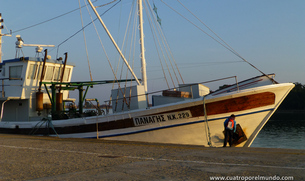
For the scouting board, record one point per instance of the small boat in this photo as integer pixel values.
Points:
(35, 100)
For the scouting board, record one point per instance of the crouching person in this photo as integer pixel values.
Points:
(230, 128)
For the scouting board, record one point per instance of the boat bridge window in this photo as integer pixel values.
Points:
(32, 71)
(52, 73)
(15, 72)
(57, 74)
(49, 73)
(39, 72)
(66, 74)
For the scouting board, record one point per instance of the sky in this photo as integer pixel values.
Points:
(267, 33)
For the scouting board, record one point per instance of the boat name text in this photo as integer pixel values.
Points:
(141, 121)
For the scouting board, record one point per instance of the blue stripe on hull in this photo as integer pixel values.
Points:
(176, 125)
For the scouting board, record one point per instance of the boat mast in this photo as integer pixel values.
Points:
(1, 27)
(143, 62)
(113, 41)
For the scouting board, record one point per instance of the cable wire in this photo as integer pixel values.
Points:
(49, 19)
(84, 27)
(224, 44)
(81, 17)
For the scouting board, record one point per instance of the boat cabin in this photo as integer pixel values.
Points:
(19, 81)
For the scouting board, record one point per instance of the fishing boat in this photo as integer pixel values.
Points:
(35, 95)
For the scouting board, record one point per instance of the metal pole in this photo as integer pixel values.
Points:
(80, 106)
(143, 62)
(113, 41)
(43, 68)
(2, 108)
(237, 84)
(1, 27)
(53, 87)
(63, 70)
(1, 20)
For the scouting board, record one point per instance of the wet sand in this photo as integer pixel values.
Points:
(47, 158)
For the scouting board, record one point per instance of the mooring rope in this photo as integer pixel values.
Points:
(47, 122)
(207, 128)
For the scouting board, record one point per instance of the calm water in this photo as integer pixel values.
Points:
(282, 133)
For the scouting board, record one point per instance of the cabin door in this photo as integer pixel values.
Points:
(15, 110)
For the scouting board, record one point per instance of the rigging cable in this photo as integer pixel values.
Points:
(165, 44)
(122, 68)
(125, 39)
(10, 32)
(153, 34)
(84, 26)
(81, 17)
(159, 28)
(105, 4)
(222, 44)
(48, 20)
(92, 21)
(156, 37)
(173, 58)
(132, 53)
(235, 52)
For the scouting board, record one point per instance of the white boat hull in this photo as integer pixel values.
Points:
(193, 130)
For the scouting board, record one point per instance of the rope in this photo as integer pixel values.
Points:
(105, 4)
(125, 39)
(81, 17)
(207, 128)
(48, 20)
(156, 37)
(46, 121)
(10, 32)
(131, 53)
(165, 45)
(162, 38)
(224, 44)
(173, 58)
(84, 27)
(92, 21)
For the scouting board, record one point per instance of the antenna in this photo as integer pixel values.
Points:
(20, 44)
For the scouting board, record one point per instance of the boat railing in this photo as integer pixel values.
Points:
(2, 86)
(173, 91)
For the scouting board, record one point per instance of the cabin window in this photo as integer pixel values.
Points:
(66, 74)
(49, 73)
(40, 71)
(57, 74)
(15, 72)
(32, 71)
